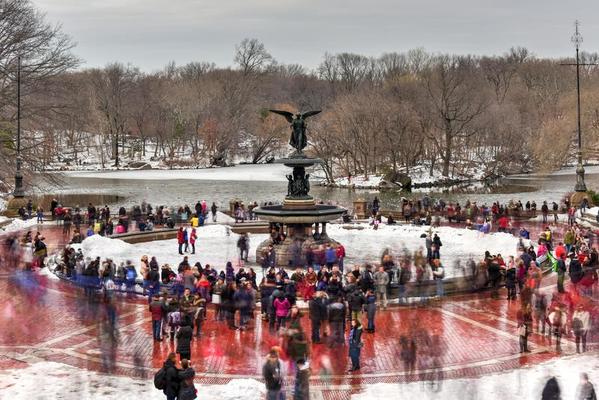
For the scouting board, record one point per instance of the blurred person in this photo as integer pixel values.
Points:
(581, 320)
(585, 389)
(187, 389)
(273, 376)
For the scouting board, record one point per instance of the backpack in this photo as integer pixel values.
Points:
(576, 325)
(160, 379)
(130, 274)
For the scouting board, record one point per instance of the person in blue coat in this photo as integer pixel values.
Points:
(355, 344)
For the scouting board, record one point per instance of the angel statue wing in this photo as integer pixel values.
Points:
(310, 113)
(288, 115)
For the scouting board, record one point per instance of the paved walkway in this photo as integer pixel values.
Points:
(463, 336)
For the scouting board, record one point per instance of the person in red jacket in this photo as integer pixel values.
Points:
(560, 251)
(340, 256)
(157, 310)
(192, 240)
(504, 223)
(180, 239)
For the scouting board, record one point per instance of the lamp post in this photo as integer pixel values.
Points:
(19, 192)
(580, 186)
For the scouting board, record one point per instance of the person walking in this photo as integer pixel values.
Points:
(171, 382)
(581, 320)
(157, 310)
(318, 314)
(184, 336)
(381, 280)
(302, 381)
(336, 311)
(243, 245)
(585, 389)
(355, 344)
(187, 390)
(524, 324)
(273, 377)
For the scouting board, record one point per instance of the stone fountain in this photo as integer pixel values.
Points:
(302, 220)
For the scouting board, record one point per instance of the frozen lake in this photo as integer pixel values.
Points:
(267, 182)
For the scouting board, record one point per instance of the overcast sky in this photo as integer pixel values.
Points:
(149, 33)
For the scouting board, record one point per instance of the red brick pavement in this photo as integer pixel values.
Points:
(477, 335)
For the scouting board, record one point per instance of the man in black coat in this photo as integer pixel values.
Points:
(184, 336)
(318, 313)
(271, 372)
(171, 389)
(337, 321)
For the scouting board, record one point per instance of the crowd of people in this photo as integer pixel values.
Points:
(339, 303)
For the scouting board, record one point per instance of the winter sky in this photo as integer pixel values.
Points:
(149, 33)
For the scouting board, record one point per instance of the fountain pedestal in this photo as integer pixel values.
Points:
(301, 219)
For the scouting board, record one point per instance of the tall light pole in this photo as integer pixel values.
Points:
(18, 191)
(577, 40)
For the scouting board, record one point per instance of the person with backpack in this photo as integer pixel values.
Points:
(187, 390)
(167, 378)
(581, 320)
(273, 376)
(575, 270)
(130, 276)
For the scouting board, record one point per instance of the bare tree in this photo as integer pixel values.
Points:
(112, 87)
(455, 102)
(252, 56)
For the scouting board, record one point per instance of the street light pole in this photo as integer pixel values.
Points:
(18, 192)
(580, 185)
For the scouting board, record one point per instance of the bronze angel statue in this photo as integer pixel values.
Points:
(298, 138)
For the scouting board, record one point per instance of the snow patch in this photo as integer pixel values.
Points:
(524, 383)
(19, 224)
(216, 245)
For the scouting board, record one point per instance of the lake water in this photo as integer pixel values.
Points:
(268, 183)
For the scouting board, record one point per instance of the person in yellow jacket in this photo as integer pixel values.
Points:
(195, 221)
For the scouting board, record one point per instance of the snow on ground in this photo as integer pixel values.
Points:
(216, 245)
(371, 181)
(60, 381)
(419, 174)
(246, 172)
(524, 383)
(18, 224)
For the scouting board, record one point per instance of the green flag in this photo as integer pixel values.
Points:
(553, 261)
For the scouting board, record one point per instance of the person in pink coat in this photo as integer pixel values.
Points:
(282, 307)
